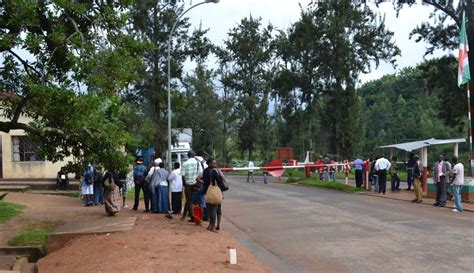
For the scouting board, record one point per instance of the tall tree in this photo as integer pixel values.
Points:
(228, 113)
(201, 110)
(248, 54)
(323, 55)
(63, 62)
(152, 21)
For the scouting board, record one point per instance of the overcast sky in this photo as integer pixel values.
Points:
(221, 17)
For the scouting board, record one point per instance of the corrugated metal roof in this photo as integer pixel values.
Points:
(415, 145)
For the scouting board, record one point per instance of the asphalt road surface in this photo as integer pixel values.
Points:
(302, 229)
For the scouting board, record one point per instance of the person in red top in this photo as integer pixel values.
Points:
(320, 167)
(366, 171)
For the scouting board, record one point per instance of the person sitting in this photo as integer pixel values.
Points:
(62, 180)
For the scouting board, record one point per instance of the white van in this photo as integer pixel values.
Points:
(179, 153)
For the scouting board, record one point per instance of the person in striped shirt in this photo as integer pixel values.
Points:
(191, 170)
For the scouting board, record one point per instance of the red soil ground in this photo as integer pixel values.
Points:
(156, 244)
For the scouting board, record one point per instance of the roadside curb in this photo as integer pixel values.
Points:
(368, 194)
(398, 199)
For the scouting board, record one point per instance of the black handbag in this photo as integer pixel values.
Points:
(221, 183)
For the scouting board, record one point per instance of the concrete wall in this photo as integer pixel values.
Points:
(25, 169)
(467, 193)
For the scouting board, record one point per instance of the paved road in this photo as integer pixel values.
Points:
(302, 229)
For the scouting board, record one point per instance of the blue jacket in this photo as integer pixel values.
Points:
(139, 171)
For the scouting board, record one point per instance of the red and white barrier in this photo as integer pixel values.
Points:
(278, 170)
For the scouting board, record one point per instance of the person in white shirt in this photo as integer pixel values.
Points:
(381, 167)
(458, 182)
(176, 181)
(250, 172)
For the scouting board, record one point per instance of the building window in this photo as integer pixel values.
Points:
(24, 149)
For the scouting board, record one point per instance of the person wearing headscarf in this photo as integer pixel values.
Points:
(111, 194)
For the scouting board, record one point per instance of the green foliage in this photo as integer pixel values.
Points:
(442, 32)
(151, 22)
(247, 54)
(80, 57)
(200, 109)
(440, 78)
(407, 107)
(9, 210)
(322, 56)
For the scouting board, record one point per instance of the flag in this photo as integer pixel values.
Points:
(463, 71)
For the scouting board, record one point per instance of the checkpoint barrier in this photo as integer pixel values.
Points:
(277, 169)
(339, 167)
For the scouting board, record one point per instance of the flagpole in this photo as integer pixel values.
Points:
(471, 157)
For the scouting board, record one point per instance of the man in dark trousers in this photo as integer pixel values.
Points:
(359, 169)
(441, 170)
(381, 166)
(395, 181)
(139, 173)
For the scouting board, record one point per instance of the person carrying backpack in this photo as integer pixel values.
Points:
(140, 171)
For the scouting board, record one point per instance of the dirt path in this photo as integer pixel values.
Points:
(156, 244)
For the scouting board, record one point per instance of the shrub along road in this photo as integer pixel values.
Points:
(302, 229)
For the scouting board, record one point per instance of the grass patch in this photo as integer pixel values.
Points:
(9, 210)
(402, 175)
(131, 194)
(34, 234)
(328, 185)
(292, 180)
(74, 194)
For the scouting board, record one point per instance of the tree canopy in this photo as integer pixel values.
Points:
(63, 65)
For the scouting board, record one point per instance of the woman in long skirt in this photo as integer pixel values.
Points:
(111, 195)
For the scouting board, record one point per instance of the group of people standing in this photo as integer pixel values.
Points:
(326, 169)
(108, 189)
(444, 175)
(155, 182)
(191, 181)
